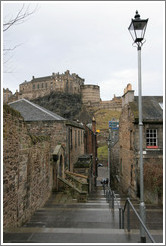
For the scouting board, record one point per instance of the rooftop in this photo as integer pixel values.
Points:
(33, 112)
(51, 77)
(151, 109)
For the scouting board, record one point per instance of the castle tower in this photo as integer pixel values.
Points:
(90, 94)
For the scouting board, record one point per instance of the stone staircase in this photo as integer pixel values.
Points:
(64, 220)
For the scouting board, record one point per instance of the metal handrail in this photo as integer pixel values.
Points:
(111, 194)
(129, 203)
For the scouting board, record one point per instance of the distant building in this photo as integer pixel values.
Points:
(67, 83)
(125, 153)
(6, 95)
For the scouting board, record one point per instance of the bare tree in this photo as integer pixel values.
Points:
(20, 17)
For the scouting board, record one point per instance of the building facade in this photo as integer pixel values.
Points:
(128, 166)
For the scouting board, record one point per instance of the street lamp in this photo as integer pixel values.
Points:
(137, 30)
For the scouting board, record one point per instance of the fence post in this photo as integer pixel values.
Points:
(104, 188)
(109, 195)
(120, 218)
(112, 199)
(128, 216)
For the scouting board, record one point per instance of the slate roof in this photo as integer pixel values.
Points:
(40, 79)
(33, 112)
(151, 110)
(43, 78)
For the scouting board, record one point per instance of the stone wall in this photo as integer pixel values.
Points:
(114, 104)
(69, 135)
(26, 170)
(127, 163)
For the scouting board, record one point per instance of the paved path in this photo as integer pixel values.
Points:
(65, 221)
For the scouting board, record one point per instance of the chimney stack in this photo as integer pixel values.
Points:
(128, 95)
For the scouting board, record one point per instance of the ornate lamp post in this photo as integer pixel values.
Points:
(137, 30)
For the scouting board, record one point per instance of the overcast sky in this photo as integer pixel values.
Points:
(89, 38)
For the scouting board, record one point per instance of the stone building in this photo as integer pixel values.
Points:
(6, 95)
(128, 165)
(67, 83)
(68, 134)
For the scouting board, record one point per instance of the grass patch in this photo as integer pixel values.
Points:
(103, 116)
(102, 152)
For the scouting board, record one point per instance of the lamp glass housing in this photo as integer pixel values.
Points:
(137, 29)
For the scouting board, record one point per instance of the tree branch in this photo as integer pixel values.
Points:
(21, 17)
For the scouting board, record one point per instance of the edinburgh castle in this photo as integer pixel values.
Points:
(65, 83)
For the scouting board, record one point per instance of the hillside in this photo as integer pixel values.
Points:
(66, 105)
(103, 116)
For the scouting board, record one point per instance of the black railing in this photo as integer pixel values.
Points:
(111, 198)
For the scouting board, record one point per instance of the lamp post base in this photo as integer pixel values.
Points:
(143, 239)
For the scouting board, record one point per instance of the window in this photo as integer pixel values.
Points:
(33, 86)
(131, 175)
(38, 86)
(151, 138)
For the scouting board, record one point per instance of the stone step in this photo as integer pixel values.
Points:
(75, 235)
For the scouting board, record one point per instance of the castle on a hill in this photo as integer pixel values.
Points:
(65, 82)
